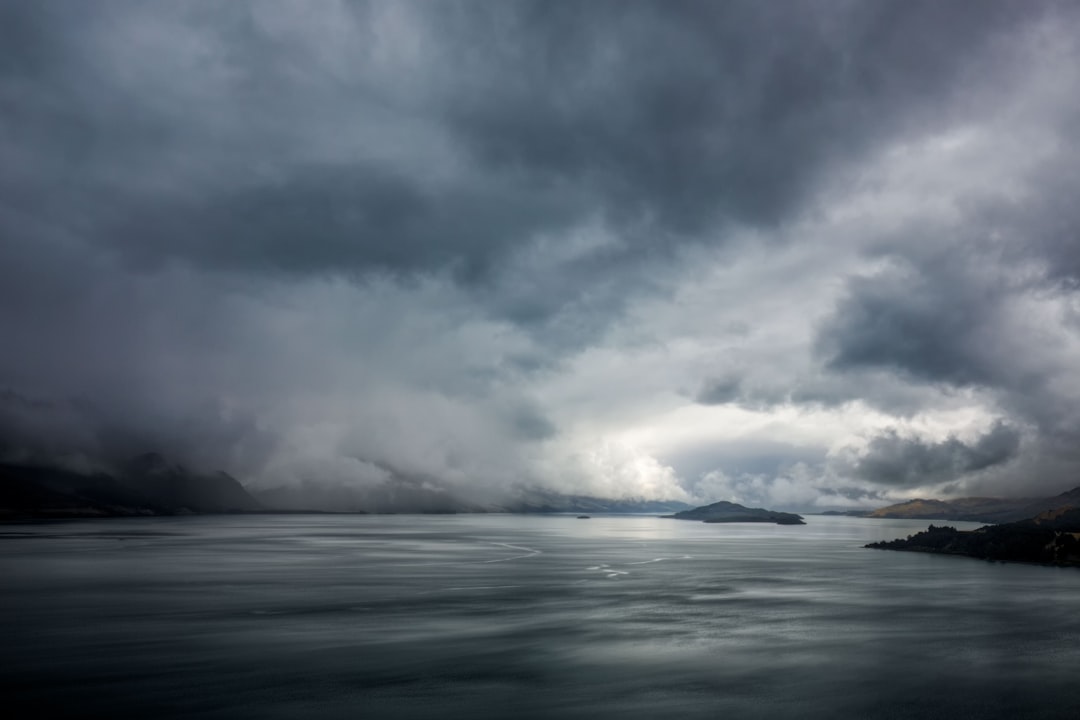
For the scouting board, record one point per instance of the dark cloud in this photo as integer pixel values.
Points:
(1042, 226)
(719, 391)
(894, 460)
(956, 323)
(250, 231)
(339, 219)
(532, 425)
(858, 494)
(979, 306)
(688, 112)
(932, 319)
(238, 144)
(77, 431)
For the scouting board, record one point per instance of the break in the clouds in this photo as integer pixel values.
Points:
(809, 255)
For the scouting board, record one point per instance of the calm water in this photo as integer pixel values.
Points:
(525, 617)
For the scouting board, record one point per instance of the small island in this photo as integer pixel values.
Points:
(729, 512)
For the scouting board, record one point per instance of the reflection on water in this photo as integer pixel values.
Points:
(529, 617)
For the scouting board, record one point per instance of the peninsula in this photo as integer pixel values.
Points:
(1050, 538)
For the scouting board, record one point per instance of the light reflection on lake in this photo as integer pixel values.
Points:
(524, 616)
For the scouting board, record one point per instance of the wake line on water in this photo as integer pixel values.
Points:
(613, 573)
(529, 552)
(661, 559)
(465, 588)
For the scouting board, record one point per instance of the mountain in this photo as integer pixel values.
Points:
(974, 509)
(1065, 519)
(728, 512)
(1068, 499)
(175, 487)
(403, 494)
(146, 485)
(27, 491)
(1051, 538)
(545, 501)
(400, 495)
(977, 509)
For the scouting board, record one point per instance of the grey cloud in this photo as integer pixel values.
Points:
(532, 425)
(1043, 225)
(754, 457)
(894, 460)
(931, 319)
(753, 396)
(686, 112)
(337, 220)
(719, 391)
(218, 150)
(954, 324)
(65, 430)
(239, 231)
(861, 494)
(804, 385)
(980, 305)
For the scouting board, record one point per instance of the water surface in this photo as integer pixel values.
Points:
(523, 616)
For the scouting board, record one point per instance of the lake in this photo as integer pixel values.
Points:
(498, 616)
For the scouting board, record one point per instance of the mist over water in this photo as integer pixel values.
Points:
(527, 617)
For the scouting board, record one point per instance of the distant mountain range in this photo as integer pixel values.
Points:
(151, 485)
(406, 495)
(147, 485)
(546, 501)
(977, 509)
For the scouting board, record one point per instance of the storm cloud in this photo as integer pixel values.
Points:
(891, 459)
(601, 247)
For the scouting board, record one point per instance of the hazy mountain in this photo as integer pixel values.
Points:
(49, 492)
(408, 495)
(146, 485)
(174, 486)
(545, 501)
(728, 512)
(977, 509)
(1069, 499)
(400, 495)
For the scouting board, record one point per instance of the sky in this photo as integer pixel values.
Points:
(804, 255)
